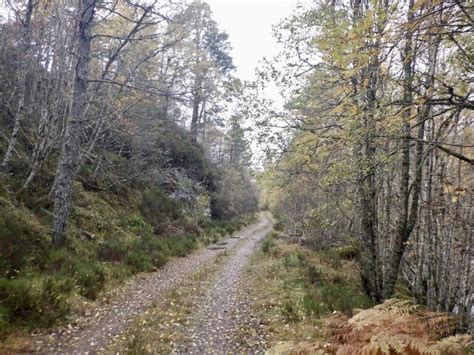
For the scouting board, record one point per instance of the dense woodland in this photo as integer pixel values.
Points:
(380, 153)
(116, 136)
(125, 140)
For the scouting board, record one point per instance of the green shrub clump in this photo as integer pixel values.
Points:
(89, 275)
(343, 298)
(33, 301)
(158, 208)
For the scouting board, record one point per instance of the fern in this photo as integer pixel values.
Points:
(398, 327)
(394, 327)
(456, 344)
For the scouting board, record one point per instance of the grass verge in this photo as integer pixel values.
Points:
(294, 289)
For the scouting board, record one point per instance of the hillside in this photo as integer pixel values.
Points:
(236, 176)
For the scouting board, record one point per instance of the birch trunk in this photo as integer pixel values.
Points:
(404, 224)
(70, 154)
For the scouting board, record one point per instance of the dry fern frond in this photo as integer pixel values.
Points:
(397, 306)
(440, 324)
(307, 348)
(394, 327)
(456, 344)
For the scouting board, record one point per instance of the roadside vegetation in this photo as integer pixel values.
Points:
(312, 302)
(296, 288)
(374, 146)
(111, 239)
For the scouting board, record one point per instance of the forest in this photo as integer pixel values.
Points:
(149, 197)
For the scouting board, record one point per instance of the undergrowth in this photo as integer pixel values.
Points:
(295, 288)
(111, 237)
(312, 303)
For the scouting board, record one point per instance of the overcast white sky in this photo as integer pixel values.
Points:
(249, 25)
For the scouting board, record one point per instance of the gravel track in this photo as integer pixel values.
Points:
(214, 328)
(110, 319)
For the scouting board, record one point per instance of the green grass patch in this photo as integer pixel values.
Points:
(296, 288)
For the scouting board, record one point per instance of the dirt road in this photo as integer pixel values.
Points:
(214, 329)
(215, 316)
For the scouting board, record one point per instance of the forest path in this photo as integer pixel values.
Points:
(214, 328)
(109, 320)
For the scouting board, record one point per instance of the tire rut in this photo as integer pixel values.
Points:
(214, 328)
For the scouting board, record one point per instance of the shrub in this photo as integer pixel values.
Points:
(37, 300)
(314, 275)
(278, 226)
(157, 208)
(234, 195)
(23, 240)
(138, 261)
(331, 257)
(290, 312)
(290, 261)
(90, 277)
(146, 253)
(349, 252)
(311, 306)
(137, 225)
(180, 245)
(342, 298)
(294, 260)
(113, 249)
(4, 320)
(268, 246)
(60, 260)
(135, 221)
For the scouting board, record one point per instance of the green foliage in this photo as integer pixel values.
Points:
(343, 298)
(4, 320)
(294, 260)
(158, 208)
(137, 225)
(146, 253)
(332, 257)
(181, 152)
(113, 249)
(139, 260)
(135, 221)
(37, 301)
(348, 252)
(268, 246)
(23, 239)
(278, 226)
(314, 274)
(90, 278)
(312, 307)
(290, 312)
(180, 245)
(89, 275)
(235, 195)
